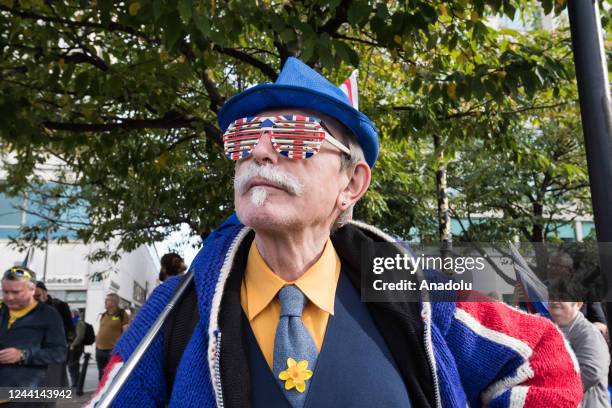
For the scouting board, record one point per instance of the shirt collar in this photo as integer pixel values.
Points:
(318, 283)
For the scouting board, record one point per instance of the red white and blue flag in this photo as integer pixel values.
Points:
(349, 87)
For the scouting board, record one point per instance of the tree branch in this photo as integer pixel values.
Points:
(333, 24)
(358, 40)
(112, 26)
(170, 121)
(79, 57)
(472, 111)
(266, 69)
(216, 100)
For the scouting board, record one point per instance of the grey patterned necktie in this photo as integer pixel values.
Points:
(292, 346)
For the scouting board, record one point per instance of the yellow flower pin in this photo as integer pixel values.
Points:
(295, 375)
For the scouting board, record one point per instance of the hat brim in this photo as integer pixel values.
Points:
(272, 96)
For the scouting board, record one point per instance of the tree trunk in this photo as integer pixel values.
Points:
(444, 221)
(538, 239)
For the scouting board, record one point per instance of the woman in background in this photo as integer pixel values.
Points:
(171, 265)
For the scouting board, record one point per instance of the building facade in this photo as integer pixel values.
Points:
(69, 275)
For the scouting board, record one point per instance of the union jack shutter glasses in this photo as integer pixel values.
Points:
(293, 136)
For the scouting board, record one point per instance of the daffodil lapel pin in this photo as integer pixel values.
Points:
(295, 375)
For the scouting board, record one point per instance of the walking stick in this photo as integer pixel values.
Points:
(128, 367)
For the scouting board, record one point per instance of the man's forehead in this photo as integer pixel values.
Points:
(16, 284)
(331, 123)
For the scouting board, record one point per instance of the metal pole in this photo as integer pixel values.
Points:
(82, 374)
(44, 279)
(596, 113)
(142, 347)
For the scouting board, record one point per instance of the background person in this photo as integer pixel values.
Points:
(585, 339)
(42, 295)
(56, 374)
(76, 347)
(113, 322)
(563, 266)
(31, 332)
(172, 264)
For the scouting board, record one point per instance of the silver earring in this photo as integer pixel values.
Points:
(343, 203)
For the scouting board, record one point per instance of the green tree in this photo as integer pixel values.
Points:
(123, 97)
(528, 191)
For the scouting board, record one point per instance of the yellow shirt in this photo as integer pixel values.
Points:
(17, 314)
(259, 302)
(111, 328)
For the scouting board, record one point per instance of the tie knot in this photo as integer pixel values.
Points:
(292, 301)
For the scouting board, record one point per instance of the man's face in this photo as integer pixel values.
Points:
(560, 266)
(289, 193)
(110, 303)
(564, 313)
(17, 294)
(40, 295)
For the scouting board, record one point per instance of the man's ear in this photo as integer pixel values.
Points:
(358, 183)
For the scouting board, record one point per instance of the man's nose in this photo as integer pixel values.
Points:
(264, 151)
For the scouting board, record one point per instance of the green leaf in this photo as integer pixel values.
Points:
(134, 8)
(308, 48)
(202, 24)
(105, 7)
(185, 9)
(287, 35)
(157, 9)
(81, 83)
(342, 51)
(325, 54)
(547, 5)
(358, 12)
(509, 10)
(173, 30)
(353, 56)
(276, 22)
(429, 13)
(382, 11)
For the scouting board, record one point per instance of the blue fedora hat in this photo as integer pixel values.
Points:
(299, 86)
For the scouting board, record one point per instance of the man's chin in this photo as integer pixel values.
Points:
(263, 217)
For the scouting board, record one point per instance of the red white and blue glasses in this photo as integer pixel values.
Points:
(293, 136)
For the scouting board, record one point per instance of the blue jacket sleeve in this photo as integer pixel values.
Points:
(53, 347)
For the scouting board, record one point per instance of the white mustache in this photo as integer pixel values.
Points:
(269, 173)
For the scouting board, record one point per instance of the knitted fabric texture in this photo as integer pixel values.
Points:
(485, 353)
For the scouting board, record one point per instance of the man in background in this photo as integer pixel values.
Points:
(113, 322)
(76, 347)
(31, 332)
(586, 341)
(57, 372)
(42, 295)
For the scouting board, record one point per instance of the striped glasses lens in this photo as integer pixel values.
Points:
(293, 136)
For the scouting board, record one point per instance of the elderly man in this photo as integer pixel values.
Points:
(585, 340)
(278, 320)
(31, 332)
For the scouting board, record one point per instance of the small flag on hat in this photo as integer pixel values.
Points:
(349, 87)
(28, 258)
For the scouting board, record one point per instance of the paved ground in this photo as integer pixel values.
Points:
(91, 382)
(74, 402)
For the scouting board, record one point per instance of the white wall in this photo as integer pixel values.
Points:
(69, 262)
